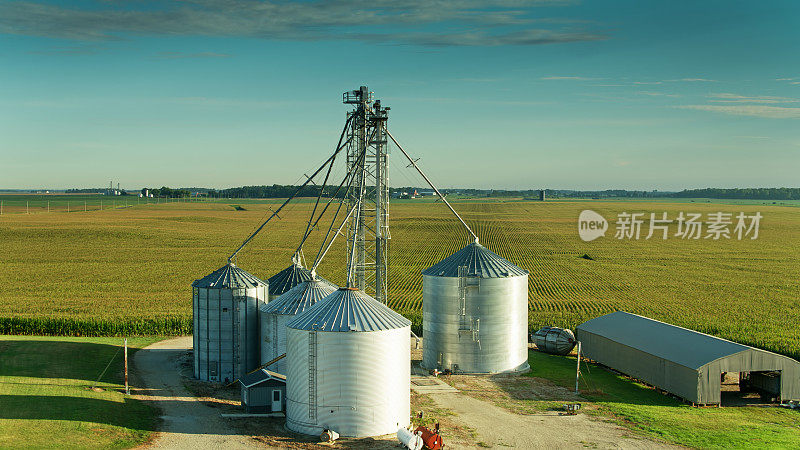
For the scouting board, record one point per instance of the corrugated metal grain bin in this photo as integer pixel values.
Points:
(684, 362)
(279, 311)
(286, 279)
(349, 367)
(225, 307)
(475, 313)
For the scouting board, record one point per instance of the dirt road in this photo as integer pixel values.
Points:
(188, 423)
(496, 427)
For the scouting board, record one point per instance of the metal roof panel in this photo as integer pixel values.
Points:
(299, 298)
(348, 309)
(229, 276)
(479, 260)
(290, 277)
(688, 348)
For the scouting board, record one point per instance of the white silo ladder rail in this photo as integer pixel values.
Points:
(312, 376)
(414, 163)
(296, 192)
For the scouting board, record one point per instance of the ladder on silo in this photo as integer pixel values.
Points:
(312, 377)
(466, 325)
(462, 298)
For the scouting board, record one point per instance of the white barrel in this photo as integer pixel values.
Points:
(411, 440)
(328, 436)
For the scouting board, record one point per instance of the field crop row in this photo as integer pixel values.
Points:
(121, 266)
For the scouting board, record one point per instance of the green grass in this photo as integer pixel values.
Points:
(46, 398)
(643, 409)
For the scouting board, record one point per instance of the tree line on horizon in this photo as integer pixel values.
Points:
(285, 191)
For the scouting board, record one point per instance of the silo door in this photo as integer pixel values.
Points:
(277, 403)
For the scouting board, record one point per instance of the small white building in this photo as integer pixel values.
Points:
(263, 392)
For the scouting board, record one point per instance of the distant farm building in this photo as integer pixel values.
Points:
(684, 362)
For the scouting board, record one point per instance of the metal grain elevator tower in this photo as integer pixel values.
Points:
(368, 228)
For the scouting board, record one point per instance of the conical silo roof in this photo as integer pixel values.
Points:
(229, 276)
(348, 309)
(299, 298)
(290, 277)
(479, 260)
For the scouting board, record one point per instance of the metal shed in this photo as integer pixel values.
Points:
(263, 391)
(683, 362)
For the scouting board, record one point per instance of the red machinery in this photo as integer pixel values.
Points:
(431, 439)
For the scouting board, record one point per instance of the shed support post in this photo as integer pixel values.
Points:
(127, 388)
(578, 368)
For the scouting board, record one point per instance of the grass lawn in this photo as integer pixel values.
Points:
(47, 400)
(643, 409)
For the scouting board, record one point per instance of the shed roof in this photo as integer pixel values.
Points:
(299, 298)
(290, 277)
(348, 309)
(686, 347)
(479, 260)
(229, 276)
(260, 376)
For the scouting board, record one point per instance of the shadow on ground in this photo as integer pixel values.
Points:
(61, 359)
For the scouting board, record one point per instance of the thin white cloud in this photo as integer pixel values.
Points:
(736, 98)
(568, 78)
(762, 111)
(182, 55)
(647, 82)
(691, 80)
(695, 80)
(785, 79)
(657, 94)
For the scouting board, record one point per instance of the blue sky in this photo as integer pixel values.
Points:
(504, 94)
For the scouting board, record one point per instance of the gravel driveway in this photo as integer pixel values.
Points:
(188, 423)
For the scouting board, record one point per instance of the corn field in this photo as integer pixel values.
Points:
(128, 271)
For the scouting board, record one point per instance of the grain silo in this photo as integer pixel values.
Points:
(276, 313)
(475, 313)
(225, 307)
(283, 281)
(348, 367)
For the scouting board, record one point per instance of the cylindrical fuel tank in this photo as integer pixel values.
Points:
(558, 341)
